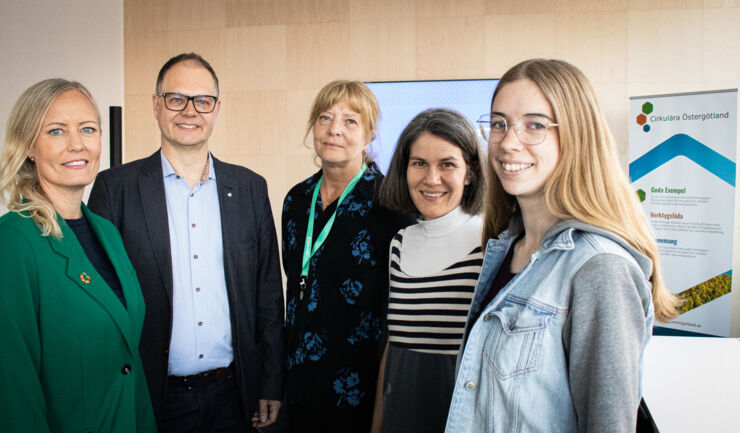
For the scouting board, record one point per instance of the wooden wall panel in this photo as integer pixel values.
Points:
(721, 44)
(520, 7)
(208, 42)
(509, 39)
(248, 119)
(142, 134)
(317, 54)
(715, 4)
(450, 8)
(383, 50)
(255, 58)
(148, 51)
(270, 12)
(196, 14)
(298, 109)
(141, 16)
(454, 52)
(574, 6)
(637, 5)
(381, 9)
(665, 45)
(596, 42)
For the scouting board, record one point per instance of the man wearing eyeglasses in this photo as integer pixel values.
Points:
(201, 237)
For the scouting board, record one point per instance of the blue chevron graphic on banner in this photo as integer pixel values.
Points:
(683, 145)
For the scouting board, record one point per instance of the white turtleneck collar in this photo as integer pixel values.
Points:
(445, 224)
(431, 246)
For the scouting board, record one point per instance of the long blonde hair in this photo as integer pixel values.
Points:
(588, 183)
(19, 183)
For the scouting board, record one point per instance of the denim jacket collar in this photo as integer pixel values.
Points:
(560, 237)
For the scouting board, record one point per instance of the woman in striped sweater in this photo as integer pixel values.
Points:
(436, 174)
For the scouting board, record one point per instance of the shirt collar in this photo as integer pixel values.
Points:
(208, 171)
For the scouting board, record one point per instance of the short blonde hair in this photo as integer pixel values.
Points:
(355, 94)
(19, 183)
(587, 183)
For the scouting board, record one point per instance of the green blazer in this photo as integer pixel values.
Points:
(69, 359)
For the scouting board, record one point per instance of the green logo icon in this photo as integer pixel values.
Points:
(641, 195)
(641, 118)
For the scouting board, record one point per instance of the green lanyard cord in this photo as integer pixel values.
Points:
(310, 248)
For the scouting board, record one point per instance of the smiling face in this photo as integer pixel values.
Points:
(436, 176)
(67, 149)
(523, 169)
(339, 136)
(186, 127)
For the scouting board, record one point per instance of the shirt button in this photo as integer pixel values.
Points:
(192, 195)
(470, 385)
(200, 356)
(195, 256)
(487, 317)
(193, 224)
(200, 323)
(197, 289)
(126, 369)
(177, 176)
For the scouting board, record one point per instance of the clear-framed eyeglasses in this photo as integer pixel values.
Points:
(530, 129)
(177, 102)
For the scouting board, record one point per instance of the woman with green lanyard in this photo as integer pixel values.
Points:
(335, 255)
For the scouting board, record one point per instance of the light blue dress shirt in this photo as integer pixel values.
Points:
(201, 324)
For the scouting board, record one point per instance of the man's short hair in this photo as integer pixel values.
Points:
(185, 57)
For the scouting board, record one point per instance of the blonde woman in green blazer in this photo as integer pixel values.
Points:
(71, 310)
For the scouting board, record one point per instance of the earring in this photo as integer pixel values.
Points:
(32, 158)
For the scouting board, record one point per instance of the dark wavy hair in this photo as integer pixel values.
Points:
(450, 126)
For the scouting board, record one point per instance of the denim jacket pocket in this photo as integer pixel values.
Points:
(514, 344)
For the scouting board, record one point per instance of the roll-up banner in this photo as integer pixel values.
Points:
(682, 166)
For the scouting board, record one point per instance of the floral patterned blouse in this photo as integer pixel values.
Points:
(336, 334)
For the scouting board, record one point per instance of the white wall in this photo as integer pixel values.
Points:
(79, 40)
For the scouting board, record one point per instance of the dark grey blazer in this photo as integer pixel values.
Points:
(132, 197)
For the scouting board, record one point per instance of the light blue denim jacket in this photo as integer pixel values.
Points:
(560, 347)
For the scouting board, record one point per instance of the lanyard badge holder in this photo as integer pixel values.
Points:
(310, 247)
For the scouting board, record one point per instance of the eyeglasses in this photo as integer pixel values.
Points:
(530, 129)
(178, 102)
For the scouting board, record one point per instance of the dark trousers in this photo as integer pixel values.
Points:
(213, 408)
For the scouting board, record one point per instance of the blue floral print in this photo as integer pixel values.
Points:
(354, 206)
(362, 249)
(313, 299)
(345, 385)
(290, 311)
(290, 235)
(368, 328)
(351, 289)
(311, 348)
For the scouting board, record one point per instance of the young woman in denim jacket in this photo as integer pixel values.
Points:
(570, 283)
